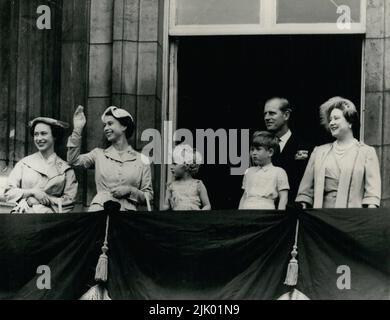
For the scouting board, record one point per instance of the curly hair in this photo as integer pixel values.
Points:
(189, 157)
(346, 106)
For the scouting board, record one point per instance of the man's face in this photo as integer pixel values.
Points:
(274, 118)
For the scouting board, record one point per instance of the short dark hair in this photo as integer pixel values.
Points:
(126, 122)
(346, 106)
(284, 104)
(265, 139)
(56, 131)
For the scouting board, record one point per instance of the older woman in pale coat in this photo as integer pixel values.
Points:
(345, 173)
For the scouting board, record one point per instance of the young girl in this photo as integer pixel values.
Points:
(263, 183)
(185, 192)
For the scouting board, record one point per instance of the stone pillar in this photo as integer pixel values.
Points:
(30, 61)
(121, 69)
(134, 67)
(377, 103)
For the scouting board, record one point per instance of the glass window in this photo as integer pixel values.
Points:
(217, 12)
(315, 11)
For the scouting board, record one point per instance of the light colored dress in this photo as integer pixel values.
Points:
(54, 176)
(185, 195)
(334, 166)
(332, 178)
(262, 186)
(113, 170)
(350, 179)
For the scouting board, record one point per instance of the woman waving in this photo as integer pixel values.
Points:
(121, 173)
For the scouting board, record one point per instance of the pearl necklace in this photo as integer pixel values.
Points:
(341, 150)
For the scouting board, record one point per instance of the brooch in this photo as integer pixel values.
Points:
(302, 155)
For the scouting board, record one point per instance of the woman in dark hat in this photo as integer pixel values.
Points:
(43, 182)
(121, 174)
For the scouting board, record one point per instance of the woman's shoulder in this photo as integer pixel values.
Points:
(323, 147)
(139, 156)
(365, 147)
(35, 157)
(34, 160)
(367, 150)
(62, 165)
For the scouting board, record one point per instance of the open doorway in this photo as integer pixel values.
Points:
(223, 82)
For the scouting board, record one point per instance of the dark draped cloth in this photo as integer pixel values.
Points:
(198, 255)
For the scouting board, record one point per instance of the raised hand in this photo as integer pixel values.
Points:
(79, 119)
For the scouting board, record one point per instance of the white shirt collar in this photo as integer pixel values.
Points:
(284, 139)
(266, 167)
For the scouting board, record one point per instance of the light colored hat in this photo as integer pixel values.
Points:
(117, 113)
(49, 121)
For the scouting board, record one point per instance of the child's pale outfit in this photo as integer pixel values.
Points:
(262, 186)
(185, 195)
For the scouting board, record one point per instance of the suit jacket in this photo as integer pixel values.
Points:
(292, 164)
(359, 183)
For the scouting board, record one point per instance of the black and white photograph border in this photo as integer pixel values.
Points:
(194, 150)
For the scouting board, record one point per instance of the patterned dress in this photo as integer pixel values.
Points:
(185, 195)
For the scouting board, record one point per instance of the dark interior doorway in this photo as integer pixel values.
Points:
(223, 82)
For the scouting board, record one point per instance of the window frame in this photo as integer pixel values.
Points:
(267, 25)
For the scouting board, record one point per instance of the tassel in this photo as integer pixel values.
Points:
(292, 269)
(101, 273)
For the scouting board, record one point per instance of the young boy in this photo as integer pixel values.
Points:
(264, 183)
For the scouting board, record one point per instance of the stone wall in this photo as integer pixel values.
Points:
(377, 93)
(125, 49)
(110, 58)
(111, 52)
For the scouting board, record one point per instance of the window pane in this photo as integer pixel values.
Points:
(315, 11)
(203, 12)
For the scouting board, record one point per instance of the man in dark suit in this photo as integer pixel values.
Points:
(294, 152)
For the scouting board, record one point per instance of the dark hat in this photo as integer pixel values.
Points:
(49, 121)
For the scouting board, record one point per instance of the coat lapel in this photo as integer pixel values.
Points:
(130, 155)
(289, 146)
(320, 176)
(38, 164)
